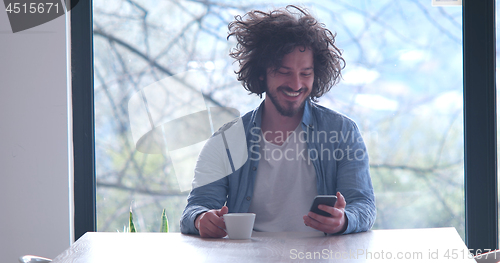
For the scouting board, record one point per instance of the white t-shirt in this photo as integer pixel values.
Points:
(285, 185)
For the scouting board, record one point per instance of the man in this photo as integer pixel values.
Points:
(296, 148)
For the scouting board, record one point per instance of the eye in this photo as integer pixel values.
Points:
(283, 72)
(307, 74)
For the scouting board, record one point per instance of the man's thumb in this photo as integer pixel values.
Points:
(222, 211)
(340, 201)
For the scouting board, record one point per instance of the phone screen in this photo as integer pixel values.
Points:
(328, 200)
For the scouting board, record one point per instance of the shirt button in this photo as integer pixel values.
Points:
(254, 168)
(248, 198)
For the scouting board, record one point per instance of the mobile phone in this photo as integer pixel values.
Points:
(328, 200)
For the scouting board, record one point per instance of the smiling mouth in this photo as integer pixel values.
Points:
(292, 94)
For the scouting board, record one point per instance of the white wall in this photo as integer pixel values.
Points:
(34, 177)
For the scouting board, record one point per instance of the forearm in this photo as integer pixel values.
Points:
(360, 215)
(188, 219)
(202, 199)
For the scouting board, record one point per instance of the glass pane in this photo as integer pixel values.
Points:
(402, 84)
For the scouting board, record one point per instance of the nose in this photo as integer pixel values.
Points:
(295, 82)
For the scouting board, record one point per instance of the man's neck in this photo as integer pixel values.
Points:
(277, 127)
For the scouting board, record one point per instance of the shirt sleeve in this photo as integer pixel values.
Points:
(210, 183)
(354, 181)
(223, 154)
(200, 200)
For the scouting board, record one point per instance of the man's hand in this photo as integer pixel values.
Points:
(336, 223)
(211, 223)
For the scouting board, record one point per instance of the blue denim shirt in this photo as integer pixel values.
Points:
(339, 156)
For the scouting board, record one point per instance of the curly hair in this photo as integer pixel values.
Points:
(263, 39)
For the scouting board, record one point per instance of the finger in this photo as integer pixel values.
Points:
(333, 211)
(308, 221)
(323, 223)
(318, 218)
(222, 211)
(215, 225)
(329, 209)
(337, 213)
(212, 231)
(340, 204)
(217, 221)
(218, 232)
(331, 226)
(205, 232)
(211, 222)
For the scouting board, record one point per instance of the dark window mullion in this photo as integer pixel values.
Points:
(481, 198)
(83, 117)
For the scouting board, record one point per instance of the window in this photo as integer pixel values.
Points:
(402, 85)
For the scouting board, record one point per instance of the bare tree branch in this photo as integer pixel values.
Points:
(139, 190)
(150, 61)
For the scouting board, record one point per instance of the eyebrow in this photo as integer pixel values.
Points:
(308, 68)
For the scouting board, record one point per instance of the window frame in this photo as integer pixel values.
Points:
(480, 153)
(82, 87)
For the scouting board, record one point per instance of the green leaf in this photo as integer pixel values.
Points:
(131, 223)
(164, 222)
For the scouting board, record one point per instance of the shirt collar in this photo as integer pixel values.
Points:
(307, 117)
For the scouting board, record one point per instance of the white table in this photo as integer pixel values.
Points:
(402, 245)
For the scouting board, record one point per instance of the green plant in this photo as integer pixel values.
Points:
(131, 226)
(164, 222)
(132, 229)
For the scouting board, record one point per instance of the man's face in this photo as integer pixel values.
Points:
(289, 86)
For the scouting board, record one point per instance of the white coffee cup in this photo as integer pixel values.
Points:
(239, 225)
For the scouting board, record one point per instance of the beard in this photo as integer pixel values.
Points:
(287, 110)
